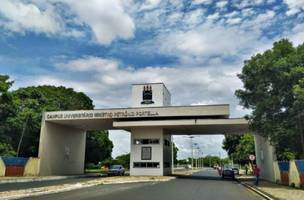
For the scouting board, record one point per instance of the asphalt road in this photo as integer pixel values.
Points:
(191, 188)
(37, 184)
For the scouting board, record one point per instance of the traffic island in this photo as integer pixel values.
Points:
(17, 194)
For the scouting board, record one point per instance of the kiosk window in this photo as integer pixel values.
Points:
(146, 165)
(146, 153)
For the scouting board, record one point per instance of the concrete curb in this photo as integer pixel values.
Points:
(17, 194)
(258, 191)
(38, 179)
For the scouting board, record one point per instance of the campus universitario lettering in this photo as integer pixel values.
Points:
(98, 115)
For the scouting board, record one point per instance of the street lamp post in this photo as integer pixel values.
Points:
(195, 144)
(172, 155)
(191, 144)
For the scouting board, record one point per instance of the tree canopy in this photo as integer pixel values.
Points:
(274, 91)
(239, 147)
(23, 108)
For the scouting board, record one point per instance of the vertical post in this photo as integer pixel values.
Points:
(202, 160)
(191, 152)
(196, 163)
(22, 135)
(172, 155)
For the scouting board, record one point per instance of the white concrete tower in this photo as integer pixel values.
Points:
(150, 95)
(150, 147)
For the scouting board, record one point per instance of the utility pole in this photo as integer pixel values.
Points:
(22, 134)
(202, 160)
(196, 148)
(172, 155)
(191, 144)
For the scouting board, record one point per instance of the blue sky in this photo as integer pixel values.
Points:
(100, 47)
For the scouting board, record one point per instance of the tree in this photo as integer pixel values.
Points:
(244, 148)
(28, 105)
(175, 150)
(230, 143)
(210, 161)
(6, 150)
(239, 147)
(273, 83)
(6, 110)
(98, 147)
(123, 160)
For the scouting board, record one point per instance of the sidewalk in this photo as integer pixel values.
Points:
(277, 191)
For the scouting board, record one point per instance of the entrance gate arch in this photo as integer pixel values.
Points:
(151, 120)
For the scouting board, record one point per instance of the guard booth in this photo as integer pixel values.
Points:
(151, 120)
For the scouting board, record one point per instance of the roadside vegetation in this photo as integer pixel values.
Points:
(273, 89)
(20, 119)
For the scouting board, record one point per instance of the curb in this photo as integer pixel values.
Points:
(258, 191)
(38, 179)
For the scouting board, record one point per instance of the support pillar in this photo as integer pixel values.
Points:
(61, 150)
(265, 157)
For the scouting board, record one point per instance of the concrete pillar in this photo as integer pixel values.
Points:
(167, 153)
(265, 157)
(61, 150)
(159, 163)
(2, 167)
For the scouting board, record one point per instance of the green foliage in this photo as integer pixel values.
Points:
(287, 155)
(29, 103)
(123, 160)
(175, 150)
(98, 146)
(210, 161)
(6, 110)
(244, 148)
(273, 90)
(239, 147)
(230, 143)
(183, 162)
(6, 150)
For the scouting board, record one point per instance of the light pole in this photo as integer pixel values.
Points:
(202, 160)
(172, 155)
(191, 144)
(196, 147)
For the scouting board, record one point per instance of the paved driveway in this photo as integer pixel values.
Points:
(187, 188)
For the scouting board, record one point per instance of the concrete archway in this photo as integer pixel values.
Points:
(150, 122)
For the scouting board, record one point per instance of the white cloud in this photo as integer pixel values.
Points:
(297, 34)
(149, 4)
(107, 19)
(19, 17)
(197, 2)
(221, 4)
(233, 21)
(89, 63)
(213, 16)
(295, 6)
(208, 40)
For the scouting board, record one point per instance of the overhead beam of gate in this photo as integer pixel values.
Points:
(192, 126)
